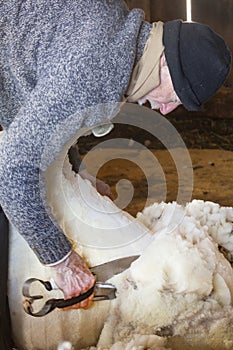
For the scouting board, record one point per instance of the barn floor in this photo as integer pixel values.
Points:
(212, 177)
(209, 142)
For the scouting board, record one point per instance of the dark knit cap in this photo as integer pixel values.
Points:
(198, 60)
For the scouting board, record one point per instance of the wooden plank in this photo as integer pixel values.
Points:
(167, 10)
(219, 106)
(142, 4)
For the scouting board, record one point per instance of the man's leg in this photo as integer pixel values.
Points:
(6, 342)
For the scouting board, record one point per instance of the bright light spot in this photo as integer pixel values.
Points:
(188, 11)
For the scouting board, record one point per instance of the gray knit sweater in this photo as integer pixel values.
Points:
(57, 57)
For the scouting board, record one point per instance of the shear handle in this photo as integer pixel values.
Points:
(104, 291)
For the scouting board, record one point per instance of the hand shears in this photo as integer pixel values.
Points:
(101, 290)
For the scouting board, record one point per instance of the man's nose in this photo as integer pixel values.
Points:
(166, 108)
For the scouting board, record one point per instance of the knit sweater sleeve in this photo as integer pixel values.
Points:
(82, 58)
(24, 160)
(53, 114)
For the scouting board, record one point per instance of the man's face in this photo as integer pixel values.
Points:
(163, 97)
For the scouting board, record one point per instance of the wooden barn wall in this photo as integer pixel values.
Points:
(216, 13)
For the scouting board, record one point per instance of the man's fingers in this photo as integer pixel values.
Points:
(73, 277)
(85, 304)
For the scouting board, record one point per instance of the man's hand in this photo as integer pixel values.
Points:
(73, 277)
(100, 186)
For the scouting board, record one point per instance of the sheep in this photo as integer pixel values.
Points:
(177, 294)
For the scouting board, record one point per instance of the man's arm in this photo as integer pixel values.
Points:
(32, 142)
(76, 160)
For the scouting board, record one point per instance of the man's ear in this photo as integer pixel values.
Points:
(163, 61)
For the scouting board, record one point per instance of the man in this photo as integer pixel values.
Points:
(191, 64)
(59, 62)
